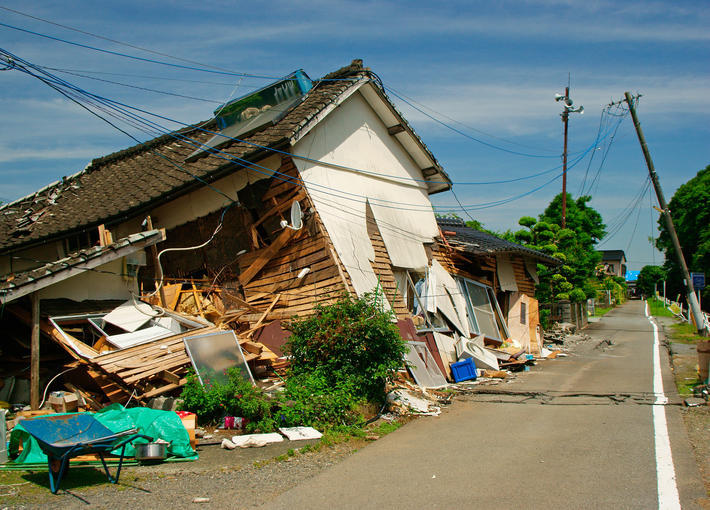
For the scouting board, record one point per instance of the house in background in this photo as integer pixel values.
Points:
(289, 197)
(614, 262)
(498, 278)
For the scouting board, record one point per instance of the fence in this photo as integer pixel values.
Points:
(566, 311)
(681, 314)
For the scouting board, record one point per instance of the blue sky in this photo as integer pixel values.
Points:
(489, 69)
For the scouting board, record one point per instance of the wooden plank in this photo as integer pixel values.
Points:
(198, 300)
(170, 377)
(264, 257)
(34, 353)
(240, 302)
(271, 274)
(303, 247)
(299, 194)
(293, 282)
(258, 323)
(163, 389)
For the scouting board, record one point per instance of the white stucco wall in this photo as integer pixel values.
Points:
(104, 282)
(354, 136)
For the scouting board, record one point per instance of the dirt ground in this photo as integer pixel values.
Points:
(254, 473)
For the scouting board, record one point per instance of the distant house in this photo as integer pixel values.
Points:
(508, 273)
(289, 197)
(614, 262)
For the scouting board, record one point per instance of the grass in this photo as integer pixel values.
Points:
(685, 333)
(658, 309)
(601, 310)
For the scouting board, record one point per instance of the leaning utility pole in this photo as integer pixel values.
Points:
(567, 105)
(692, 301)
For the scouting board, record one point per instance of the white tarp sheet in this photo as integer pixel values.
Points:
(506, 276)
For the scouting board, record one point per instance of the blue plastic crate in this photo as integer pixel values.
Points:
(463, 370)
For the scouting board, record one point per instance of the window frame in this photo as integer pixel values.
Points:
(498, 318)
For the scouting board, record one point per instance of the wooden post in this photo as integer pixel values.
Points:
(154, 252)
(34, 353)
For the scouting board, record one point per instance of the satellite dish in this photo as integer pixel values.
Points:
(296, 217)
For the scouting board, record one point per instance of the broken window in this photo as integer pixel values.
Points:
(484, 314)
(125, 326)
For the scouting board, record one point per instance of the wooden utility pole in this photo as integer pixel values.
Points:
(692, 301)
(34, 353)
(567, 108)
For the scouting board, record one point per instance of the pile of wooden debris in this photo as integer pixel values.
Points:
(137, 350)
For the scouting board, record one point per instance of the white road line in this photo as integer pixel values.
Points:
(665, 471)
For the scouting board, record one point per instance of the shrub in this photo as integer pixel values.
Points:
(351, 340)
(311, 399)
(236, 397)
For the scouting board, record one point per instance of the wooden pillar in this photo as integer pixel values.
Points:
(156, 263)
(34, 353)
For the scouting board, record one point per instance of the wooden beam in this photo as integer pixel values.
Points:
(34, 356)
(156, 265)
(264, 257)
(261, 319)
(281, 207)
(397, 128)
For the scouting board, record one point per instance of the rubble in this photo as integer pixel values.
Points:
(138, 354)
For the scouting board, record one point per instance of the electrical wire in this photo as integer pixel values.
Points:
(134, 57)
(466, 135)
(104, 38)
(300, 157)
(187, 248)
(400, 94)
(231, 158)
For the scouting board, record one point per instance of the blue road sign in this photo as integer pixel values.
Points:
(698, 280)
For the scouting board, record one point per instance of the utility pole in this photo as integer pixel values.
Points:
(567, 105)
(692, 301)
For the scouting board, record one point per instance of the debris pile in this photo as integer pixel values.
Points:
(135, 350)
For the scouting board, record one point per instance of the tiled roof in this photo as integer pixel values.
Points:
(612, 254)
(482, 243)
(11, 285)
(125, 183)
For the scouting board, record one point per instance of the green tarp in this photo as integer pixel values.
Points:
(165, 425)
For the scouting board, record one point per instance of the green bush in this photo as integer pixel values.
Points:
(311, 399)
(351, 340)
(236, 397)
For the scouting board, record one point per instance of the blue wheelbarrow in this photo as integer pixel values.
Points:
(64, 436)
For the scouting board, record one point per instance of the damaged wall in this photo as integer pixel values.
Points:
(354, 136)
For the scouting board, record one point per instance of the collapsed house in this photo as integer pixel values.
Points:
(287, 198)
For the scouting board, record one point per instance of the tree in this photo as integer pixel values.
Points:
(649, 277)
(573, 245)
(690, 209)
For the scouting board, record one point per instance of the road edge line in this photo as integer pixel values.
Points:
(665, 470)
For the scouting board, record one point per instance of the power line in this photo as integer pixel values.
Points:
(466, 135)
(411, 100)
(231, 158)
(134, 57)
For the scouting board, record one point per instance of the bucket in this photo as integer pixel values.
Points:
(703, 359)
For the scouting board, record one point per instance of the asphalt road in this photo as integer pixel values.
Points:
(576, 432)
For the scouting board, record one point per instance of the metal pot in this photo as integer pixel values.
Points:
(151, 451)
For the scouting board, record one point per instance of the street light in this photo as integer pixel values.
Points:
(567, 104)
